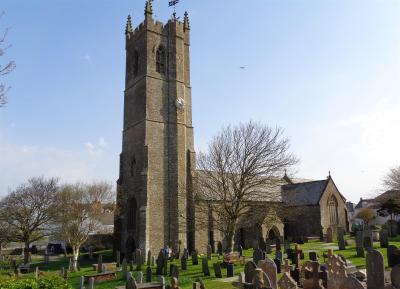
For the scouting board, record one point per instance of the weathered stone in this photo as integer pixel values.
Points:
(395, 276)
(229, 270)
(278, 265)
(393, 255)
(100, 264)
(341, 241)
(124, 269)
(184, 262)
(261, 280)
(149, 274)
(249, 269)
(384, 238)
(204, 267)
(174, 271)
(375, 270)
(269, 267)
(313, 256)
(360, 244)
(209, 252)
(287, 282)
(217, 270)
(140, 277)
(195, 258)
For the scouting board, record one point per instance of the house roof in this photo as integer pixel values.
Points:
(305, 193)
(391, 194)
(364, 203)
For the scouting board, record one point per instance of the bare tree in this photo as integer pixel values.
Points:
(29, 209)
(244, 165)
(5, 68)
(367, 215)
(80, 213)
(392, 179)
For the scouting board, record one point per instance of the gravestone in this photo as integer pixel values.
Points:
(262, 244)
(217, 270)
(82, 282)
(37, 273)
(174, 271)
(269, 267)
(395, 276)
(149, 274)
(118, 258)
(279, 256)
(384, 238)
(160, 263)
(314, 281)
(249, 270)
(185, 253)
(287, 282)
(100, 264)
(240, 250)
(148, 258)
(140, 277)
(375, 270)
(393, 255)
(184, 262)
(229, 270)
(258, 255)
(131, 282)
(204, 267)
(261, 280)
(219, 248)
(278, 265)
(290, 254)
(209, 252)
(313, 256)
(139, 259)
(174, 283)
(360, 244)
(195, 258)
(91, 283)
(341, 241)
(329, 235)
(124, 269)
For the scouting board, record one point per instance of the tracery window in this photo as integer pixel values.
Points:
(161, 60)
(333, 210)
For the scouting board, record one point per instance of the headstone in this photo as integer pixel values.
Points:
(140, 277)
(148, 258)
(103, 268)
(37, 273)
(257, 255)
(82, 282)
(313, 256)
(287, 282)
(174, 271)
(384, 238)
(352, 283)
(184, 262)
(375, 270)
(149, 275)
(99, 264)
(204, 266)
(195, 258)
(131, 282)
(118, 258)
(249, 271)
(287, 267)
(278, 265)
(219, 248)
(269, 267)
(185, 253)
(91, 283)
(229, 270)
(174, 283)
(279, 256)
(124, 269)
(393, 255)
(360, 244)
(241, 279)
(261, 280)
(139, 259)
(329, 235)
(209, 252)
(341, 241)
(160, 263)
(395, 276)
(217, 270)
(161, 280)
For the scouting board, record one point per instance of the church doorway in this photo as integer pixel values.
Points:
(273, 233)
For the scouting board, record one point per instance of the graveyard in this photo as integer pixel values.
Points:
(209, 270)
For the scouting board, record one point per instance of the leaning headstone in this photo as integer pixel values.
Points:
(341, 241)
(149, 274)
(269, 267)
(395, 276)
(360, 244)
(257, 255)
(209, 252)
(217, 270)
(375, 270)
(219, 248)
(99, 264)
(249, 271)
(195, 258)
(184, 262)
(204, 266)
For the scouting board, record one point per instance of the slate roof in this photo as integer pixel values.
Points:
(305, 193)
(391, 194)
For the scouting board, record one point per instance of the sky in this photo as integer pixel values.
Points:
(327, 72)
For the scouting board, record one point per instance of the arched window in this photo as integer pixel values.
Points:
(160, 60)
(132, 209)
(333, 210)
(135, 63)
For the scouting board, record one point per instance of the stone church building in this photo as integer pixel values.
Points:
(155, 202)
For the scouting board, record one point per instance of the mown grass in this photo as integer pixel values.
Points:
(186, 278)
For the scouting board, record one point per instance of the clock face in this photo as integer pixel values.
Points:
(180, 103)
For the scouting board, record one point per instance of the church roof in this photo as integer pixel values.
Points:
(304, 193)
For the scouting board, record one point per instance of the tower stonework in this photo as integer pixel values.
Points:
(157, 163)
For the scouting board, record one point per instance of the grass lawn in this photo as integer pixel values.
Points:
(186, 278)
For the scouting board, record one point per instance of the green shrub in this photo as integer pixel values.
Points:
(44, 283)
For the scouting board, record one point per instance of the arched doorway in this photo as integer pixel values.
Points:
(273, 233)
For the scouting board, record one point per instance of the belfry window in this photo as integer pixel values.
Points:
(333, 210)
(135, 63)
(133, 166)
(160, 60)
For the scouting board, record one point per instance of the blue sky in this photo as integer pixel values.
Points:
(328, 72)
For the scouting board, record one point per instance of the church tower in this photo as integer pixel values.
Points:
(157, 163)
